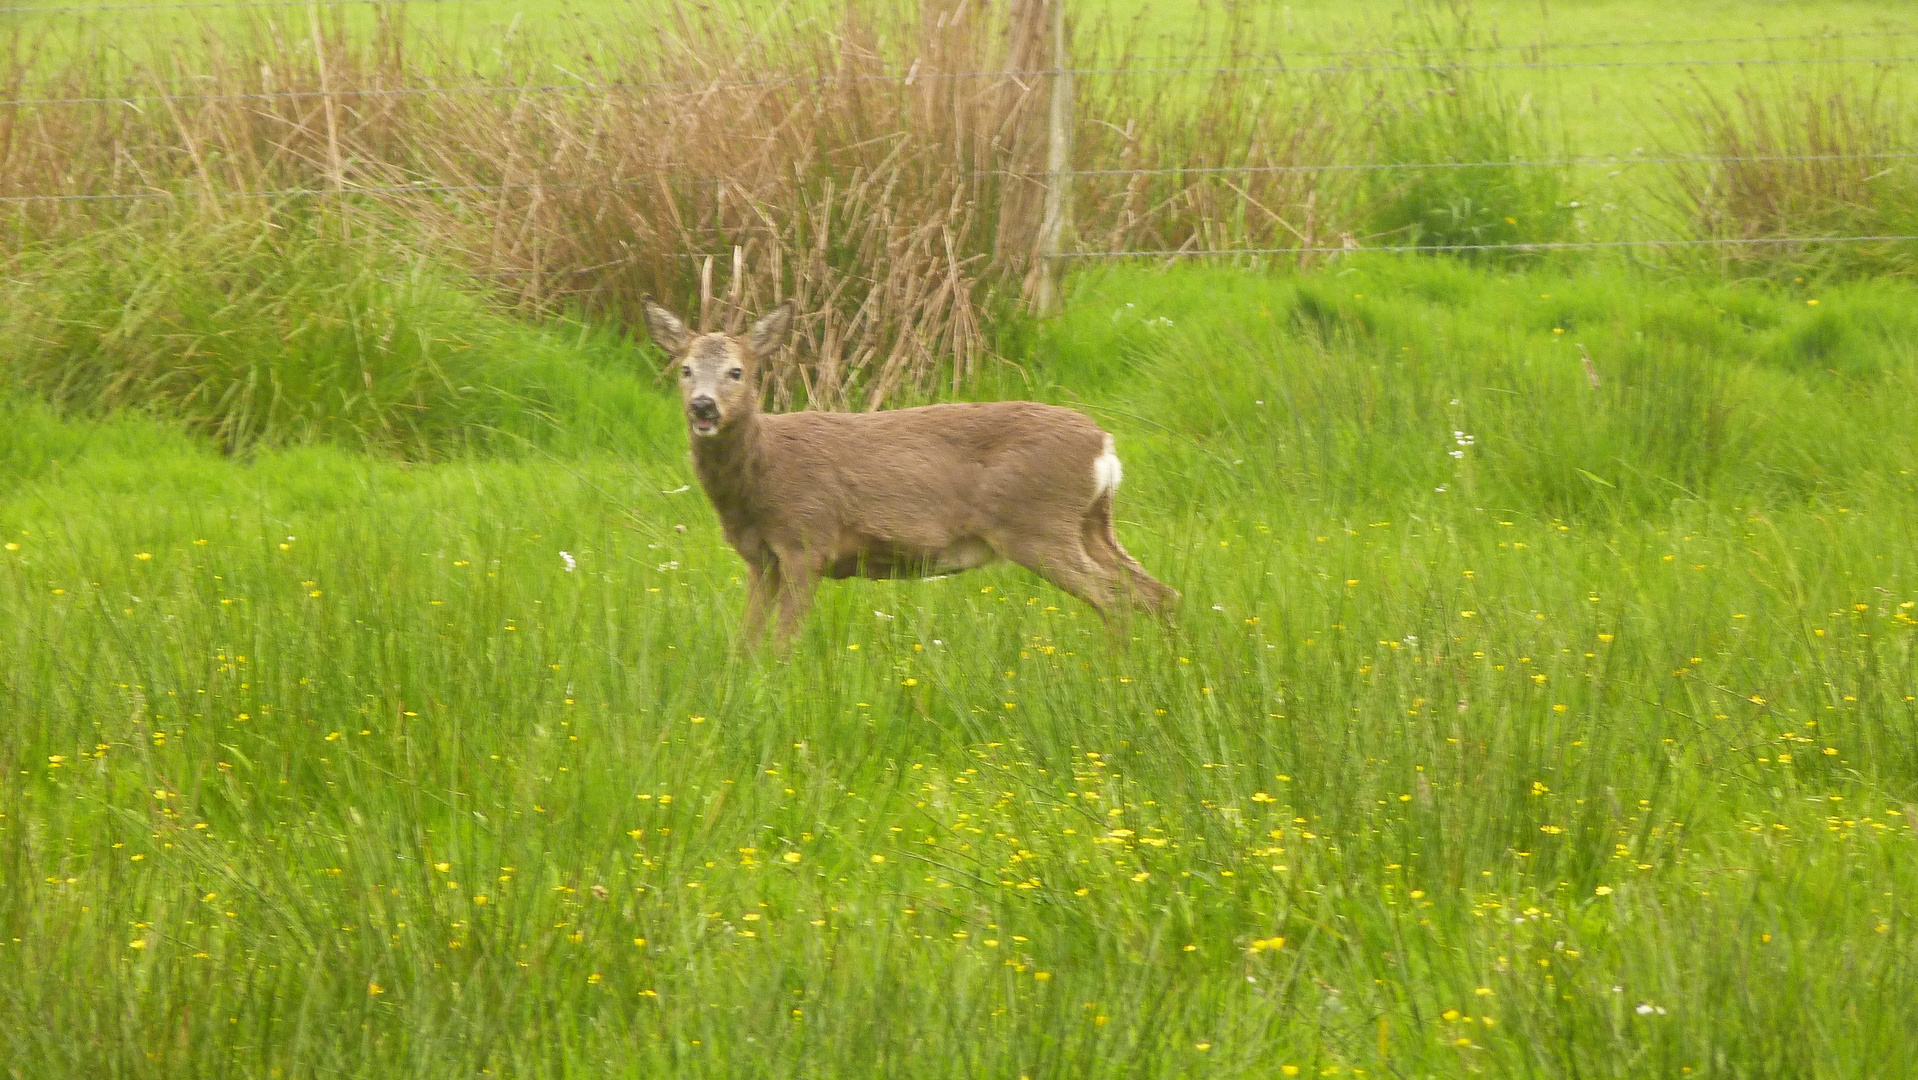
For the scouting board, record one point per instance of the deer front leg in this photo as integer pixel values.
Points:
(762, 588)
(798, 581)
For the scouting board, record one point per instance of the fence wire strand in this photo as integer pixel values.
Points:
(425, 187)
(908, 78)
(1562, 245)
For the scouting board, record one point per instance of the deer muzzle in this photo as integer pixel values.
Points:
(703, 412)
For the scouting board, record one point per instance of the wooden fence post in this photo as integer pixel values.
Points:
(1046, 300)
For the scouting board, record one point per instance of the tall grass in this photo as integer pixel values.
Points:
(729, 162)
(1817, 157)
(325, 764)
(271, 331)
(724, 162)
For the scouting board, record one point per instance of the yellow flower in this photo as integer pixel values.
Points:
(442, 867)
(145, 556)
(482, 900)
(640, 941)
(1288, 1070)
(1260, 796)
(1041, 976)
(1603, 890)
(1142, 875)
(1201, 1047)
(593, 979)
(12, 546)
(1264, 944)
(1449, 1014)
(139, 943)
(910, 682)
(374, 989)
(791, 856)
(1606, 638)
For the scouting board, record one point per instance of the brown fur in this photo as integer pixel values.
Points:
(904, 493)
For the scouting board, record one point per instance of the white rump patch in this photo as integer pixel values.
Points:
(1106, 472)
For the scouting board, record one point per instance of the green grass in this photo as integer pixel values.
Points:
(1598, 761)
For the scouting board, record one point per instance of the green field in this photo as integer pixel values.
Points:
(1543, 702)
(1585, 750)
(1603, 110)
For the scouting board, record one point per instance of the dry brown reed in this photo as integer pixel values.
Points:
(1813, 157)
(882, 167)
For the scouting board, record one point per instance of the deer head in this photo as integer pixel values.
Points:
(718, 373)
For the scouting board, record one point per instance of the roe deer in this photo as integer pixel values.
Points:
(903, 493)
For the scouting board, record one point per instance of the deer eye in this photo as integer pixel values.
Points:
(736, 373)
(686, 372)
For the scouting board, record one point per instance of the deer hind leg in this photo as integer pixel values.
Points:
(1062, 559)
(1102, 545)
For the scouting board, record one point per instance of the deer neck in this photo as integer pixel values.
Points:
(729, 466)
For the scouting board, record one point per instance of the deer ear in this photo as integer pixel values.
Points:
(770, 331)
(668, 331)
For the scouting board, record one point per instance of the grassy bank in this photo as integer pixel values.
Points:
(1525, 718)
(882, 163)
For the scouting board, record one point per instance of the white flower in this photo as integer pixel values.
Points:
(1646, 1008)
(567, 558)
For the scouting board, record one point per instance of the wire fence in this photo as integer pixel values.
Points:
(909, 77)
(1440, 249)
(427, 187)
(107, 9)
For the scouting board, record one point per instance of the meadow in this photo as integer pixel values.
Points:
(1544, 699)
(1514, 725)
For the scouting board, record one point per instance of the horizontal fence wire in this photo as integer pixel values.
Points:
(111, 9)
(909, 77)
(89, 9)
(1644, 43)
(1398, 249)
(1383, 166)
(1565, 245)
(428, 187)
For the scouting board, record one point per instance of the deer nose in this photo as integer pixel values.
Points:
(704, 408)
